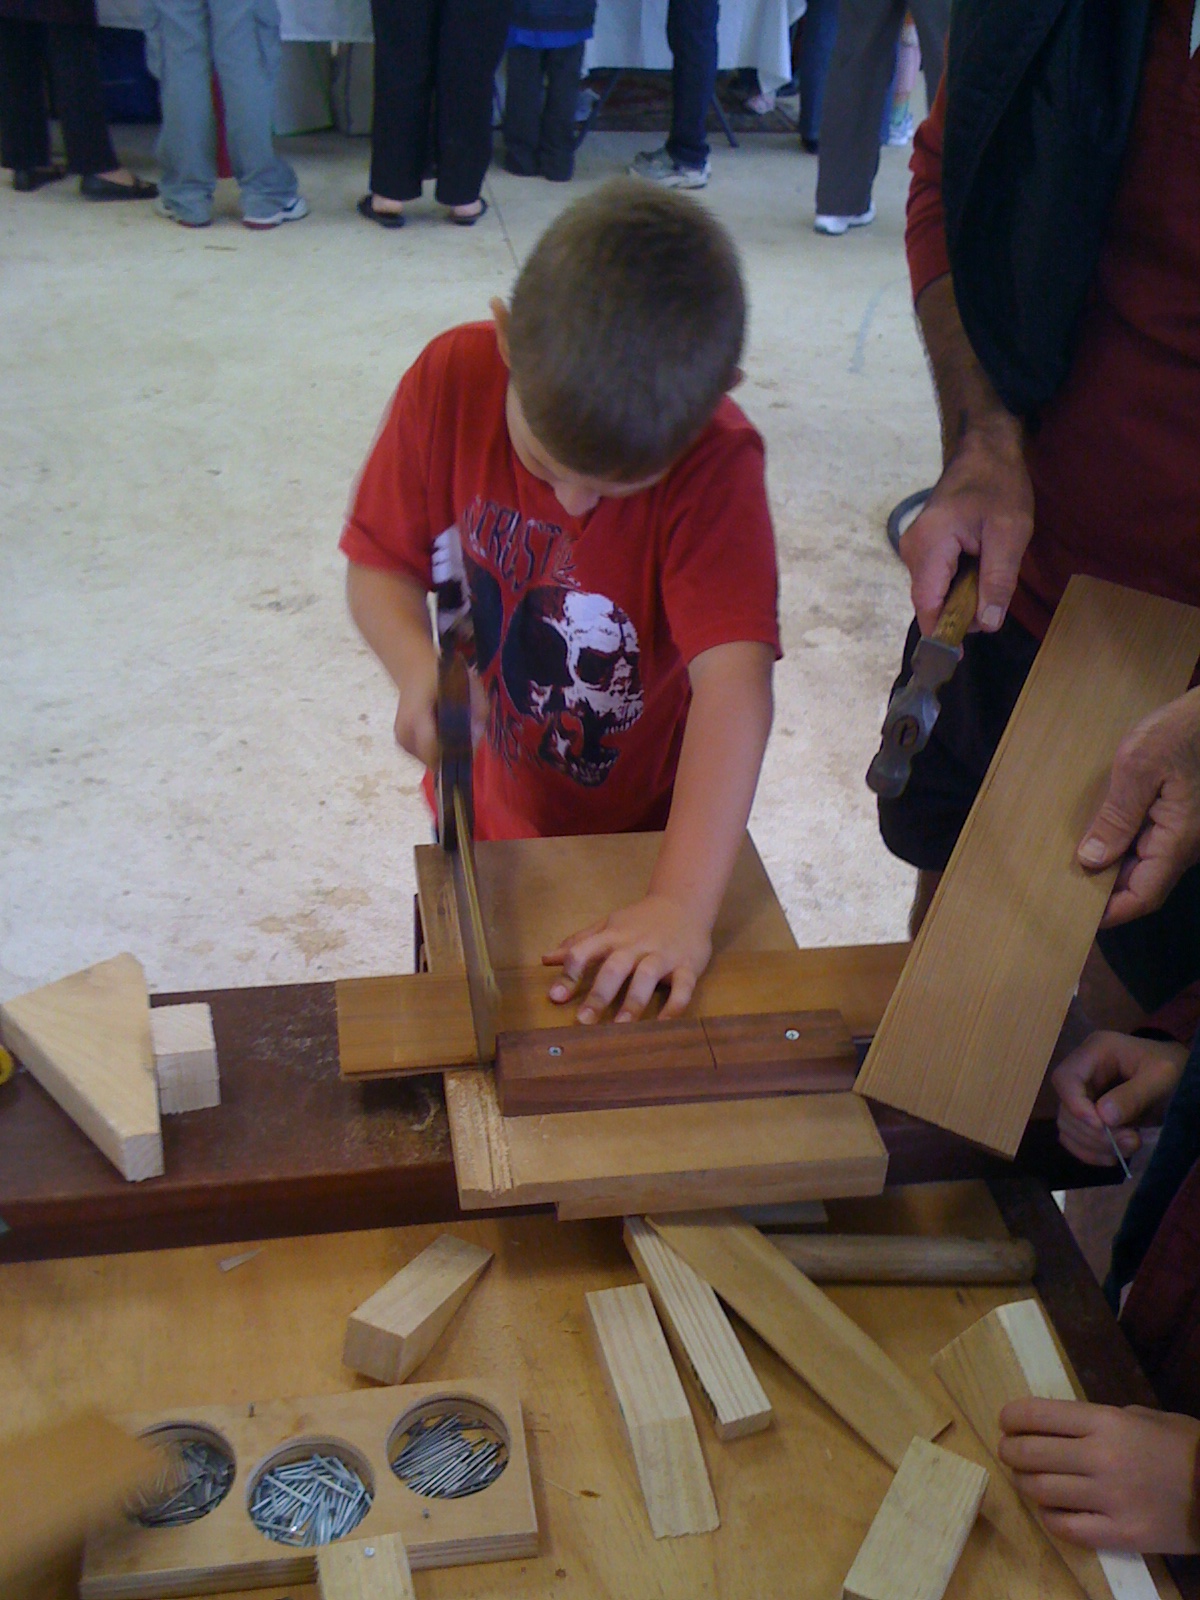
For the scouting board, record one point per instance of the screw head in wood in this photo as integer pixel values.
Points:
(554, 1050)
(793, 1034)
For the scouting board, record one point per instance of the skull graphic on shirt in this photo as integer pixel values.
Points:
(553, 654)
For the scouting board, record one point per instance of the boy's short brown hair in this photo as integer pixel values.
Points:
(626, 329)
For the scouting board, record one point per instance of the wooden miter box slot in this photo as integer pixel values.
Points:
(224, 1550)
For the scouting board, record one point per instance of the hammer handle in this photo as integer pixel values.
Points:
(961, 603)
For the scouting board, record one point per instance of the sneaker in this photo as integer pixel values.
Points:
(839, 225)
(901, 133)
(292, 212)
(659, 166)
(165, 210)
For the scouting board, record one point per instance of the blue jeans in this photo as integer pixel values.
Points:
(692, 36)
(185, 39)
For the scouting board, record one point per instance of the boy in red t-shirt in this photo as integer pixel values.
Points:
(574, 474)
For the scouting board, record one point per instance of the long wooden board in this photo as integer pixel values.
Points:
(224, 1550)
(969, 1030)
(86, 1039)
(646, 1158)
(653, 1411)
(1007, 1355)
(815, 1337)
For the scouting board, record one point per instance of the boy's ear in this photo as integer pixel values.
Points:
(500, 316)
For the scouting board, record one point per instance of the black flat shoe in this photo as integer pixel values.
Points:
(385, 219)
(26, 179)
(94, 187)
(469, 222)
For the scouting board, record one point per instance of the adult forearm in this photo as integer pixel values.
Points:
(967, 402)
(727, 730)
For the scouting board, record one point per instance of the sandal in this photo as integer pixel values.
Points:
(385, 219)
(469, 222)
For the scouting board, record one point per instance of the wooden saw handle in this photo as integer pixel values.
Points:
(961, 604)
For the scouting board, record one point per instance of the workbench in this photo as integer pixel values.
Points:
(294, 1151)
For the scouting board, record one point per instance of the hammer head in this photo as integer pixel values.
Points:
(911, 714)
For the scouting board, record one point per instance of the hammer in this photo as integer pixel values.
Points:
(913, 708)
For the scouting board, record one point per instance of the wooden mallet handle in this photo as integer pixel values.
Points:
(961, 604)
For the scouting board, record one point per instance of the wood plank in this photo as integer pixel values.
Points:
(700, 1334)
(653, 1411)
(796, 1052)
(581, 1069)
(413, 1023)
(61, 1481)
(1007, 1355)
(816, 1339)
(409, 1024)
(365, 1569)
(86, 1039)
(185, 1058)
(391, 1333)
(918, 1534)
(893, 1258)
(224, 1549)
(969, 1030)
(610, 1163)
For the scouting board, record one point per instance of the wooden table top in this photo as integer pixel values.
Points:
(143, 1331)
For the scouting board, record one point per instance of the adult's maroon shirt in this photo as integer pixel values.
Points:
(1115, 464)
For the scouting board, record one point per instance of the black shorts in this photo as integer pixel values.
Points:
(1156, 956)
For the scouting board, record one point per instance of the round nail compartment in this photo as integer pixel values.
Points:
(447, 1449)
(310, 1492)
(198, 1471)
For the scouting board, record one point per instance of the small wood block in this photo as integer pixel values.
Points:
(224, 1551)
(913, 1545)
(185, 1058)
(86, 1039)
(999, 955)
(895, 1258)
(759, 1055)
(585, 1069)
(1007, 1355)
(654, 1412)
(665, 1063)
(58, 1483)
(803, 1326)
(391, 1333)
(700, 1334)
(365, 1569)
(419, 1022)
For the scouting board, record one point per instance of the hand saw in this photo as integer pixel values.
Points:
(456, 830)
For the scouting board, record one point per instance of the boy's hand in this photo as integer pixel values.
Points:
(656, 940)
(1112, 1479)
(416, 714)
(1145, 1073)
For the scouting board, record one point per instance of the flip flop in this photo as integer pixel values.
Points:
(469, 222)
(385, 219)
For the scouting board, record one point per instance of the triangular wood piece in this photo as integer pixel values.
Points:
(86, 1039)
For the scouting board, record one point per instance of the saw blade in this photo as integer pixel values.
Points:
(481, 976)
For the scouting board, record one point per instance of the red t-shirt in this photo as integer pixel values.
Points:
(583, 626)
(1115, 464)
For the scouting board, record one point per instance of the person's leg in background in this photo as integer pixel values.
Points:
(178, 53)
(817, 40)
(246, 53)
(24, 121)
(405, 46)
(523, 94)
(564, 69)
(860, 75)
(932, 18)
(471, 37)
(73, 52)
(692, 36)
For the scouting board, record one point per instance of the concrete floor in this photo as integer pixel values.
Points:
(197, 762)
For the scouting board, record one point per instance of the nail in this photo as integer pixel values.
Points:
(586, 1015)
(1092, 851)
(560, 991)
(991, 617)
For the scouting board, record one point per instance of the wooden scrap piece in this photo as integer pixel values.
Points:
(968, 1032)
(86, 1039)
(654, 1412)
(185, 1058)
(911, 1258)
(58, 1483)
(700, 1334)
(1007, 1355)
(365, 1569)
(396, 1027)
(803, 1326)
(390, 1334)
(782, 1052)
(913, 1545)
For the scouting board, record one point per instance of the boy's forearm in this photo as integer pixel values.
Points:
(391, 613)
(727, 729)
